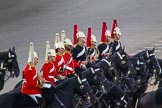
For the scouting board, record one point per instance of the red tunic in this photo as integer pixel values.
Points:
(30, 84)
(59, 65)
(70, 63)
(49, 72)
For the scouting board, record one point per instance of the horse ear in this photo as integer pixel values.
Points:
(153, 49)
(13, 49)
(10, 50)
(147, 53)
(9, 53)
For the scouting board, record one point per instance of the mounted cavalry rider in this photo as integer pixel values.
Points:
(116, 44)
(71, 64)
(33, 83)
(116, 33)
(79, 50)
(92, 52)
(48, 69)
(103, 47)
(60, 62)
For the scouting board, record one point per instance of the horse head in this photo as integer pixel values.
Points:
(152, 61)
(13, 63)
(9, 58)
(72, 86)
(140, 66)
(109, 71)
(122, 63)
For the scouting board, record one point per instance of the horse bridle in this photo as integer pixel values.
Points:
(121, 58)
(4, 68)
(9, 63)
(148, 57)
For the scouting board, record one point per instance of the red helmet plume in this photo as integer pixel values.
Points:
(88, 43)
(113, 27)
(75, 32)
(104, 27)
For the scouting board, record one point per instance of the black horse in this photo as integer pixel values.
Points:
(151, 99)
(125, 69)
(114, 93)
(122, 64)
(141, 75)
(60, 96)
(126, 72)
(10, 66)
(96, 79)
(111, 73)
(152, 68)
(152, 63)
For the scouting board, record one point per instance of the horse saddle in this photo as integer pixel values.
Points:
(158, 96)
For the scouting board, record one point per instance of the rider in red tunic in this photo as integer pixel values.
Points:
(33, 83)
(60, 61)
(70, 62)
(48, 69)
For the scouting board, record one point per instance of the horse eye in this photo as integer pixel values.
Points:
(111, 68)
(148, 61)
(12, 55)
(9, 60)
(123, 62)
(137, 68)
(82, 86)
(95, 77)
(123, 55)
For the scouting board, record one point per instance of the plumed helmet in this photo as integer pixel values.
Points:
(35, 54)
(63, 35)
(51, 52)
(47, 49)
(74, 33)
(59, 45)
(114, 25)
(32, 53)
(57, 38)
(67, 41)
(80, 34)
(93, 38)
(108, 33)
(104, 28)
(117, 31)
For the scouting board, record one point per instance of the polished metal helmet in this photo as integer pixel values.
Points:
(117, 31)
(59, 45)
(93, 38)
(67, 41)
(51, 52)
(108, 33)
(80, 34)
